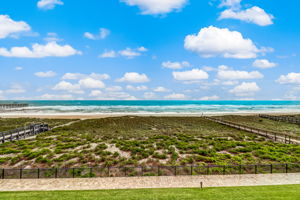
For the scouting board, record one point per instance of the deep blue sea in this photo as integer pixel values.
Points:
(155, 107)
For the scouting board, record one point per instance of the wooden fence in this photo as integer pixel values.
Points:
(289, 119)
(23, 132)
(147, 171)
(275, 136)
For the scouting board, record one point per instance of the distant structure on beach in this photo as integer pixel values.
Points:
(8, 106)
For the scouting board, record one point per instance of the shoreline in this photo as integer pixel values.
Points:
(107, 115)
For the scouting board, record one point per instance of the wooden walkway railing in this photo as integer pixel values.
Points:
(275, 136)
(24, 132)
(289, 119)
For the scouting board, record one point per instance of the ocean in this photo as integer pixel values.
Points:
(152, 107)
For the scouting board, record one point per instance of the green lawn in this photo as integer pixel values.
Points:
(288, 192)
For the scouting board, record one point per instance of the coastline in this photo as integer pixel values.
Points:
(107, 115)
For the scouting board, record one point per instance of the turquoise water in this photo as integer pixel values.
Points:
(155, 107)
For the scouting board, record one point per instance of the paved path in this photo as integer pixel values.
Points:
(148, 182)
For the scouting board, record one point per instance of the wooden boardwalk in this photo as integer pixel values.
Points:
(275, 136)
(22, 133)
(288, 119)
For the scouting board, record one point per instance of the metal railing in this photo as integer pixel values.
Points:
(23, 132)
(289, 119)
(147, 171)
(275, 136)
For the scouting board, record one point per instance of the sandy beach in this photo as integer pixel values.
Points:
(105, 115)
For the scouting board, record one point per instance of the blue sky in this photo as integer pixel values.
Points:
(149, 49)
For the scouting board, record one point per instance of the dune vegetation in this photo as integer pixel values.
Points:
(144, 141)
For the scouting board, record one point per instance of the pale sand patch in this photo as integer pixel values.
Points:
(148, 182)
(112, 148)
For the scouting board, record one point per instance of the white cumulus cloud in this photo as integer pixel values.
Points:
(155, 7)
(133, 77)
(103, 33)
(236, 74)
(212, 41)
(290, 78)
(51, 49)
(9, 27)
(56, 97)
(210, 98)
(175, 96)
(194, 74)
(137, 88)
(91, 83)
(255, 15)
(263, 64)
(48, 4)
(175, 65)
(129, 53)
(230, 3)
(76, 76)
(67, 86)
(46, 74)
(108, 54)
(161, 89)
(245, 89)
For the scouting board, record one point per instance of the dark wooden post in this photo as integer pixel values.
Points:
(55, 172)
(142, 171)
(91, 171)
(271, 169)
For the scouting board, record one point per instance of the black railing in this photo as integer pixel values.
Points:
(147, 171)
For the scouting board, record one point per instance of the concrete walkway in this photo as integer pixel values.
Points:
(148, 182)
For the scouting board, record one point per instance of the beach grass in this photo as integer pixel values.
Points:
(148, 141)
(284, 192)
